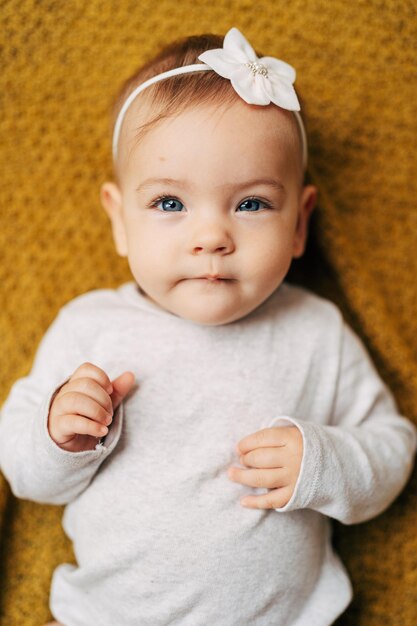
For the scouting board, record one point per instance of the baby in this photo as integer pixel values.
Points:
(204, 421)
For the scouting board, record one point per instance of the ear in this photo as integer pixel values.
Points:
(111, 200)
(307, 202)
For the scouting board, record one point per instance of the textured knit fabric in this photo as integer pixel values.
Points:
(158, 531)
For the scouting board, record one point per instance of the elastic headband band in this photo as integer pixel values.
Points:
(270, 80)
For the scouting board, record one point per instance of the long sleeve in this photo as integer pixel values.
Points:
(34, 465)
(354, 466)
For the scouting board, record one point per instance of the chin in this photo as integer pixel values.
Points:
(207, 317)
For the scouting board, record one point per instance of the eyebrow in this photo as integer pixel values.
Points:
(269, 182)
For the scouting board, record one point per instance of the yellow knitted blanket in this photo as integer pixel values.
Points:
(61, 63)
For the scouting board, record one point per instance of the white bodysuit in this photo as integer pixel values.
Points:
(157, 528)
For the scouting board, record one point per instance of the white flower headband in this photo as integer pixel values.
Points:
(257, 81)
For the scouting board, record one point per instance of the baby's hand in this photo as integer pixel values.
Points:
(276, 453)
(83, 408)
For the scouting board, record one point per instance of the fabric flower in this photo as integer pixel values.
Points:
(257, 81)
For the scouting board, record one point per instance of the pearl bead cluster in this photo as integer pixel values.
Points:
(257, 68)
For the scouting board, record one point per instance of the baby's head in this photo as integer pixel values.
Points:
(206, 185)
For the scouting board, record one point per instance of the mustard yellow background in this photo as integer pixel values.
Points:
(61, 62)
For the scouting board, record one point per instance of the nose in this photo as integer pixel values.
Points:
(211, 236)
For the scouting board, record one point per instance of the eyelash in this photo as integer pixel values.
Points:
(167, 196)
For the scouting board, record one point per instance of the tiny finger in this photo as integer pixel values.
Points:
(258, 478)
(91, 388)
(263, 458)
(274, 499)
(73, 402)
(73, 424)
(93, 371)
(265, 438)
(121, 387)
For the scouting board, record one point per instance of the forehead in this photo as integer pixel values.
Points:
(233, 134)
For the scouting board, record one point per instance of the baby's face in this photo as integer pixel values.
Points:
(210, 210)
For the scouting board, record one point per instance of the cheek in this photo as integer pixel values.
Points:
(277, 256)
(138, 242)
(273, 245)
(149, 251)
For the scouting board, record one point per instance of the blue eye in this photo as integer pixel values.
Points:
(253, 204)
(169, 204)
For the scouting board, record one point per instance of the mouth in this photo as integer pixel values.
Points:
(209, 279)
(213, 278)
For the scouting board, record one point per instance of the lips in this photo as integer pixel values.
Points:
(210, 278)
(213, 277)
